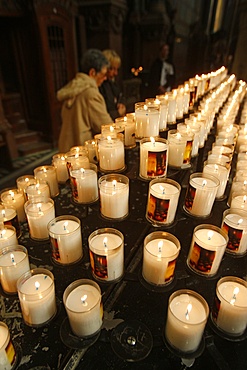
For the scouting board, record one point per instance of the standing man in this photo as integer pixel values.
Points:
(162, 74)
(84, 109)
(110, 89)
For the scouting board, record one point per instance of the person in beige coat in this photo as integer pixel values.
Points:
(84, 110)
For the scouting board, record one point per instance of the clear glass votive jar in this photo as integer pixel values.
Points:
(163, 112)
(111, 155)
(65, 239)
(153, 158)
(76, 158)
(23, 181)
(36, 292)
(48, 174)
(129, 131)
(234, 223)
(8, 216)
(114, 196)
(230, 306)
(106, 248)
(147, 120)
(38, 189)
(84, 183)
(7, 236)
(59, 161)
(15, 198)
(82, 301)
(186, 320)
(91, 146)
(207, 249)
(221, 172)
(40, 211)
(14, 262)
(163, 196)
(177, 144)
(200, 194)
(8, 355)
(239, 200)
(160, 254)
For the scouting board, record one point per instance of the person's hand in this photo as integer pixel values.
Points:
(121, 109)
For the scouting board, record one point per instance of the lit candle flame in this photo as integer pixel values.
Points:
(83, 300)
(105, 242)
(39, 207)
(37, 285)
(3, 213)
(162, 189)
(240, 221)
(65, 225)
(12, 258)
(234, 297)
(210, 234)
(2, 233)
(12, 194)
(114, 183)
(152, 140)
(189, 308)
(204, 183)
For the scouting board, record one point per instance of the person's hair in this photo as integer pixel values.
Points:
(93, 58)
(112, 57)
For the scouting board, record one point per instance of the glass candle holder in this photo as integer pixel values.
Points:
(84, 184)
(239, 200)
(7, 236)
(23, 181)
(207, 249)
(172, 105)
(234, 223)
(14, 198)
(147, 120)
(111, 155)
(200, 194)
(177, 147)
(39, 211)
(14, 262)
(186, 320)
(129, 131)
(60, 163)
(106, 248)
(91, 146)
(48, 174)
(82, 301)
(8, 216)
(153, 158)
(36, 292)
(221, 173)
(163, 196)
(160, 253)
(38, 189)
(230, 306)
(163, 112)
(65, 239)
(8, 356)
(114, 196)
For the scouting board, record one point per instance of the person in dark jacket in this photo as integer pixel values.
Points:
(110, 90)
(162, 74)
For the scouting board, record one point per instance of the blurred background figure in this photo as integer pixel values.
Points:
(84, 109)
(162, 73)
(110, 90)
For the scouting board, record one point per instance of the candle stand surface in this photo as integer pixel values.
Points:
(135, 312)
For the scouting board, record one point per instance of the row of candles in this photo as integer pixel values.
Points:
(32, 201)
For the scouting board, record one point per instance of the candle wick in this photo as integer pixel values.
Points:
(13, 260)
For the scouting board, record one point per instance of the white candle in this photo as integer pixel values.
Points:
(39, 214)
(8, 216)
(48, 174)
(147, 120)
(129, 134)
(230, 307)
(36, 293)
(160, 255)
(65, 239)
(239, 200)
(13, 263)
(60, 163)
(82, 300)
(107, 254)
(221, 173)
(186, 320)
(91, 146)
(40, 188)
(153, 158)
(207, 249)
(177, 145)
(111, 154)
(14, 198)
(162, 201)
(200, 195)
(235, 225)
(114, 196)
(23, 181)
(163, 112)
(84, 183)
(172, 104)
(7, 350)
(8, 236)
